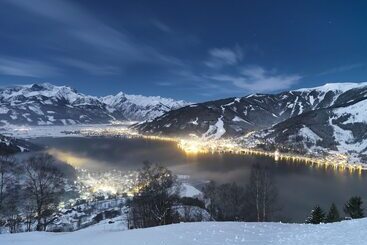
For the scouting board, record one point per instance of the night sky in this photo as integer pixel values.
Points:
(192, 50)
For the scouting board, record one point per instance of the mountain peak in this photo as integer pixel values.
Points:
(48, 104)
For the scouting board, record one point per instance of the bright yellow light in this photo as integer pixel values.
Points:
(74, 160)
(105, 189)
(196, 145)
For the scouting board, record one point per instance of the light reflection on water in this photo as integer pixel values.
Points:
(301, 186)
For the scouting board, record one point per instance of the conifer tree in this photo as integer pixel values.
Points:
(333, 214)
(317, 216)
(353, 207)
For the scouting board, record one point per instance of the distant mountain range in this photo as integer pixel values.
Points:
(47, 104)
(333, 116)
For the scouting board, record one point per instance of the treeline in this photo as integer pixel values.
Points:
(353, 209)
(157, 201)
(258, 201)
(29, 192)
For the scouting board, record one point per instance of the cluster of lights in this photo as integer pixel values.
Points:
(195, 145)
(105, 183)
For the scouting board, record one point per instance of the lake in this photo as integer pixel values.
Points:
(301, 186)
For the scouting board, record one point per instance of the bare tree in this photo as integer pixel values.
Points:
(261, 194)
(226, 202)
(29, 210)
(9, 193)
(152, 205)
(11, 208)
(43, 183)
(7, 178)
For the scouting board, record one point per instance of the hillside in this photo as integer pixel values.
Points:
(9, 145)
(238, 116)
(341, 128)
(213, 233)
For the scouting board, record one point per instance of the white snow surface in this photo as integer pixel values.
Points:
(142, 100)
(215, 131)
(204, 233)
(357, 112)
(238, 119)
(189, 191)
(308, 134)
(49, 90)
(343, 87)
(138, 107)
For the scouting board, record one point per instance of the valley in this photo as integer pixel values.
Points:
(195, 155)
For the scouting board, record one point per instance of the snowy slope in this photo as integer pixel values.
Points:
(47, 104)
(205, 233)
(342, 128)
(238, 116)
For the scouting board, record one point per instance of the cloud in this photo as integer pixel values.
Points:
(257, 79)
(26, 68)
(165, 84)
(340, 69)
(89, 67)
(88, 33)
(219, 57)
(161, 26)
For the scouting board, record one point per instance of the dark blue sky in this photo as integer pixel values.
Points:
(192, 50)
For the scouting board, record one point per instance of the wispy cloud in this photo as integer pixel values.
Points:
(340, 69)
(161, 26)
(165, 84)
(90, 68)
(26, 68)
(92, 34)
(257, 79)
(219, 57)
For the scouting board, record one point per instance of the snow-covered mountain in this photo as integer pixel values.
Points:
(238, 116)
(138, 107)
(47, 104)
(342, 127)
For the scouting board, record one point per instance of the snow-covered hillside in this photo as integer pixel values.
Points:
(12, 145)
(204, 233)
(47, 104)
(238, 116)
(342, 127)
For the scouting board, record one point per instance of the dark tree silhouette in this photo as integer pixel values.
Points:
(8, 178)
(44, 184)
(261, 194)
(227, 201)
(353, 208)
(333, 214)
(317, 216)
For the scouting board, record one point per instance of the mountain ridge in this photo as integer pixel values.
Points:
(249, 113)
(47, 104)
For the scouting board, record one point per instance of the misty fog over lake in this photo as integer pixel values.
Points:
(301, 186)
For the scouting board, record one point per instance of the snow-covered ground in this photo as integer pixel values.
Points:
(204, 233)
